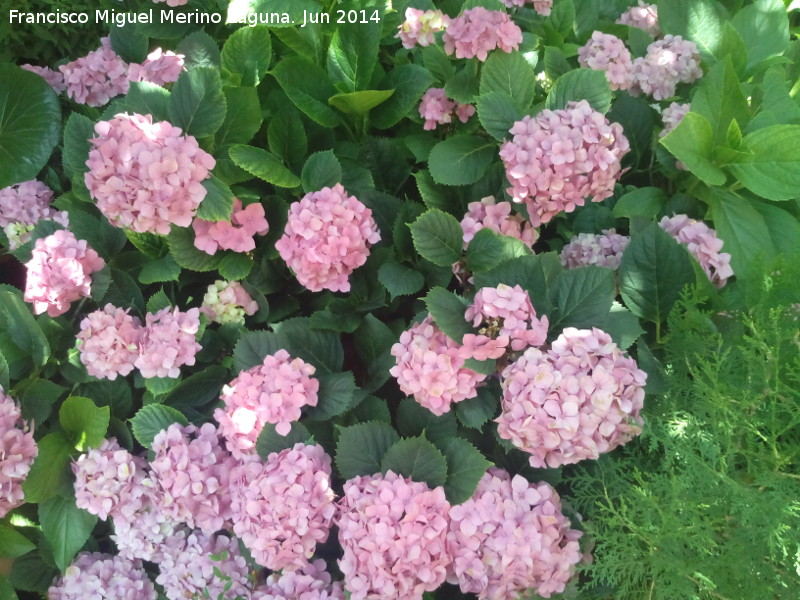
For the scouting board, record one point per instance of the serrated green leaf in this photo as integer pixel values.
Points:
(22, 327)
(270, 441)
(353, 54)
(287, 137)
(582, 298)
(308, 87)
(764, 29)
(147, 98)
(511, 75)
(535, 274)
(151, 420)
(474, 412)
(66, 527)
(197, 104)
(771, 167)
(235, 266)
(373, 341)
(409, 82)
(322, 169)
(465, 468)
(400, 280)
(242, 116)
(218, 203)
(323, 349)
(253, 347)
(464, 86)
(84, 422)
(130, 42)
(182, 249)
(488, 249)
(700, 21)
(418, 459)
(159, 270)
(158, 301)
(641, 202)
(691, 142)
(447, 310)
(13, 544)
(413, 419)
(248, 52)
(577, 85)
(497, 113)
(360, 448)
(437, 237)
(359, 103)
(55, 453)
(623, 326)
(77, 132)
(264, 165)
(721, 100)
(199, 50)
(336, 395)
(461, 159)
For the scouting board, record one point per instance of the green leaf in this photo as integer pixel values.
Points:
(582, 298)
(353, 54)
(235, 266)
(253, 347)
(580, 84)
(159, 270)
(465, 468)
(55, 453)
(77, 132)
(264, 165)
(145, 98)
(474, 412)
(409, 82)
(38, 398)
(242, 117)
(7, 591)
(413, 419)
(84, 422)
(784, 229)
(152, 419)
(641, 202)
(4, 373)
(158, 301)
(22, 327)
(130, 42)
(497, 113)
(199, 49)
(374, 341)
(13, 544)
(720, 100)
(692, 143)
(66, 527)
(417, 459)
(287, 137)
(534, 273)
(701, 21)
(461, 159)
(322, 169)
(323, 349)
(437, 237)
(652, 273)
(197, 104)
(270, 441)
(562, 16)
(637, 119)
(555, 63)
(764, 28)
(437, 62)
(308, 87)
(30, 124)
(182, 249)
(771, 169)
(246, 11)
(488, 249)
(447, 310)
(32, 573)
(435, 195)
(622, 326)
(198, 390)
(336, 396)
(360, 448)
(400, 280)
(511, 75)
(218, 203)
(464, 86)
(359, 103)
(248, 52)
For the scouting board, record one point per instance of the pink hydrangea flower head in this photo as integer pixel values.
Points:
(327, 237)
(702, 243)
(282, 508)
(192, 472)
(189, 563)
(312, 583)
(430, 367)
(644, 16)
(542, 7)
(22, 206)
(53, 78)
(478, 31)
(437, 109)
(273, 392)
(667, 63)
(227, 302)
(146, 176)
(238, 234)
(420, 27)
(561, 157)
(97, 576)
(601, 249)
(143, 534)
(673, 115)
(511, 536)
(17, 451)
(168, 342)
(605, 52)
(97, 77)
(59, 272)
(487, 212)
(393, 532)
(576, 401)
(159, 67)
(109, 342)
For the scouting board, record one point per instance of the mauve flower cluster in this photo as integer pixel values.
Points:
(601, 249)
(543, 7)
(273, 392)
(109, 342)
(22, 206)
(159, 67)
(283, 507)
(142, 533)
(17, 451)
(97, 576)
(703, 244)
(327, 237)
(511, 536)
(59, 272)
(168, 342)
(393, 532)
(312, 583)
(53, 78)
(238, 234)
(228, 302)
(644, 16)
(606, 52)
(478, 31)
(505, 319)
(576, 401)
(668, 62)
(146, 176)
(420, 27)
(437, 109)
(672, 116)
(97, 77)
(559, 158)
(497, 217)
(430, 367)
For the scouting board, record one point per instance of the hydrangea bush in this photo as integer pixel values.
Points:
(326, 300)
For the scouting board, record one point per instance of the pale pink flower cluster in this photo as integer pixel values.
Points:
(17, 451)
(59, 272)
(22, 206)
(606, 52)
(227, 302)
(478, 31)
(496, 216)
(327, 237)
(97, 576)
(312, 583)
(238, 234)
(420, 27)
(189, 564)
(192, 472)
(578, 400)
(143, 533)
(511, 536)
(283, 507)
(173, 3)
(97, 77)
(53, 78)
(559, 158)
(601, 249)
(505, 319)
(273, 392)
(703, 244)
(430, 367)
(437, 109)
(543, 7)
(146, 176)
(673, 115)
(168, 342)
(109, 342)
(159, 67)
(644, 16)
(668, 62)
(393, 532)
